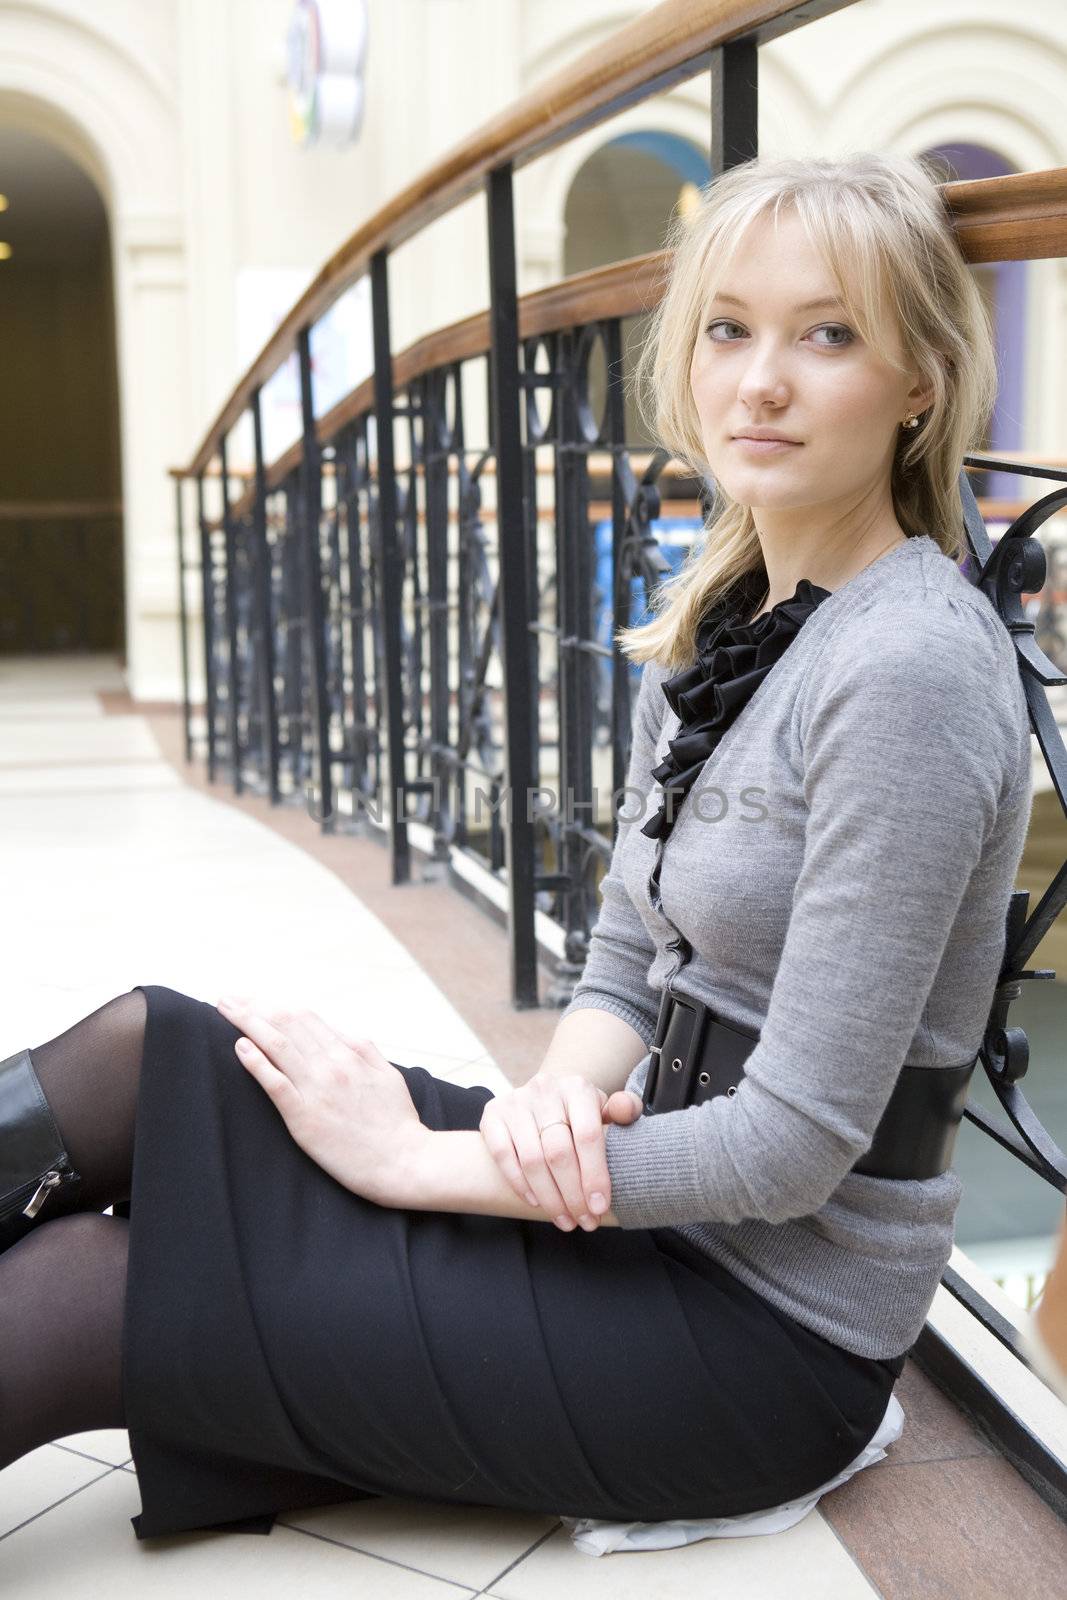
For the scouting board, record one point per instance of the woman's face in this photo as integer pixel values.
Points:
(802, 370)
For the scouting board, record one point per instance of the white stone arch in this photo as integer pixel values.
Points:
(561, 48)
(933, 74)
(111, 111)
(921, 93)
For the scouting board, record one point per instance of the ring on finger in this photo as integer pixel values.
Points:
(585, 1221)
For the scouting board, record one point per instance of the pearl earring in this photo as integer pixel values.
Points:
(910, 421)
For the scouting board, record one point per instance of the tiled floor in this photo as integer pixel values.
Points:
(120, 866)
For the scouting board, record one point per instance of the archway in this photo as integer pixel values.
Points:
(618, 205)
(94, 90)
(61, 560)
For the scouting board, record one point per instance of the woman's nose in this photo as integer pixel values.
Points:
(763, 379)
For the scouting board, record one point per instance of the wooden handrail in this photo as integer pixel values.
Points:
(1019, 217)
(55, 510)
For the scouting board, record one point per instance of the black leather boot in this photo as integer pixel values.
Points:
(33, 1161)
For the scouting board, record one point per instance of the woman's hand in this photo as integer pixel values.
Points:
(342, 1101)
(563, 1169)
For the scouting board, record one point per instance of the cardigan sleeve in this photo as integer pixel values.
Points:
(908, 750)
(621, 950)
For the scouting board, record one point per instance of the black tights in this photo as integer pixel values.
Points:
(63, 1281)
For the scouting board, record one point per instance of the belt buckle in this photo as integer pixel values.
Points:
(675, 1091)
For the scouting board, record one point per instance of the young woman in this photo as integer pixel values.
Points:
(342, 1277)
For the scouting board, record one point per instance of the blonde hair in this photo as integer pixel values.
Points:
(882, 228)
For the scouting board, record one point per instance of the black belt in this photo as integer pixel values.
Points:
(695, 1057)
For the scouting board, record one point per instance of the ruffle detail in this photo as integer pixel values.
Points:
(733, 658)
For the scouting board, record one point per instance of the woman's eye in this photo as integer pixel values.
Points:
(722, 323)
(836, 327)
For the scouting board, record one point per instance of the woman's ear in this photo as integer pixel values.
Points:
(922, 393)
(920, 397)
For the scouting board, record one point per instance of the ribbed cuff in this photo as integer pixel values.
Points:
(654, 1169)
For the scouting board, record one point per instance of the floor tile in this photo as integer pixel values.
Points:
(87, 1547)
(805, 1562)
(103, 1444)
(468, 1544)
(37, 1481)
(76, 736)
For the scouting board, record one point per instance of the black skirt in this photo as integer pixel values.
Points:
(288, 1343)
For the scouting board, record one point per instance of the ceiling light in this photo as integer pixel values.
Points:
(3, 202)
(5, 251)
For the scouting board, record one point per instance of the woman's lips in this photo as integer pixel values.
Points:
(766, 447)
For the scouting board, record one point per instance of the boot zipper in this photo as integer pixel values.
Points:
(49, 1181)
(35, 1193)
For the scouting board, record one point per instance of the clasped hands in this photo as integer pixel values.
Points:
(547, 1138)
(349, 1109)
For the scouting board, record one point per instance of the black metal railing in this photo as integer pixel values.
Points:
(396, 612)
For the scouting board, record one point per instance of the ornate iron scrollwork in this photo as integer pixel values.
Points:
(1015, 566)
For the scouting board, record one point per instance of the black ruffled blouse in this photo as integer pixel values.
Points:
(733, 658)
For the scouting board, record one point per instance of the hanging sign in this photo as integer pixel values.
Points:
(327, 50)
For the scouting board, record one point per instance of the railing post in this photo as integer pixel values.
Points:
(265, 659)
(515, 635)
(207, 583)
(436, 452)
(311, 497)
(391, 587)
(734, 104)
(577, 672)
(187, 713)
(291, 636)
(231, 621)
(621, 603)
